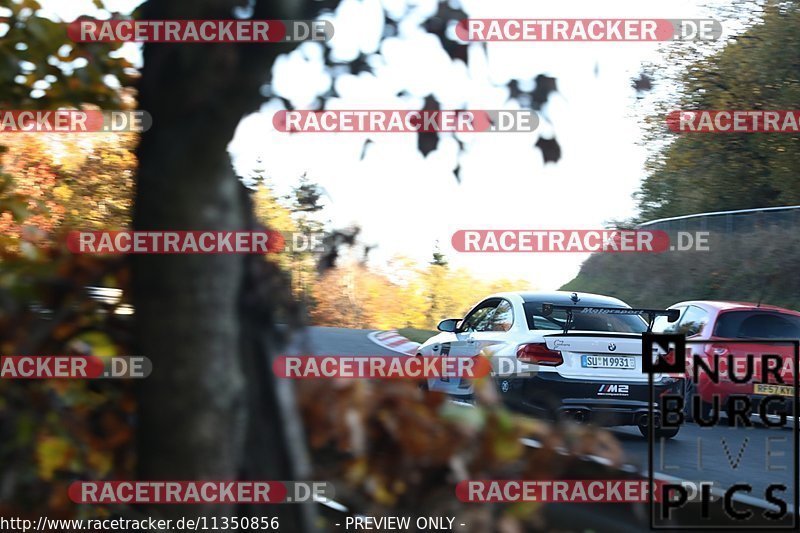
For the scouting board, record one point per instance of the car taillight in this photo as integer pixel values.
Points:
(539, 353)
(717, 349)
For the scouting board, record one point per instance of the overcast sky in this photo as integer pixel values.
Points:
(404, 202)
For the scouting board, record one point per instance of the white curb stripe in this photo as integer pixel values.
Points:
(391, 341)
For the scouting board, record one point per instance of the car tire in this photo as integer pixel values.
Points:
(658, 430)
(666, 433)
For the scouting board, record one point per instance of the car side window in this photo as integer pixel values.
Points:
(480, 318)
(692, 321)
(663, 325)
(503, 317)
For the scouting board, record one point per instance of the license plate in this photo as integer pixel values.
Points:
(608, 361)
(774, 390)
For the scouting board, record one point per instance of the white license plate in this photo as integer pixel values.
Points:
(608, 361)
(773, 390)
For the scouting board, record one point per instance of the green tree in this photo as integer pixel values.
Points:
(437, 289)
(691, 173)
(46, 427)
(41, 68)
(305, 207)
(211, 410)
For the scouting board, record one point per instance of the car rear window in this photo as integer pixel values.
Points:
(582, 322)
(757, 325)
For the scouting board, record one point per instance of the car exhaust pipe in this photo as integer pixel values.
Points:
(644, 420)
(578, 415)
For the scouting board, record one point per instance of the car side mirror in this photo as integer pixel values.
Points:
(449, 325)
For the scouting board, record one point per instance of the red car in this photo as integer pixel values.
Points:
(717, 323)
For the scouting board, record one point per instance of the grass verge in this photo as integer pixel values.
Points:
(417, 335)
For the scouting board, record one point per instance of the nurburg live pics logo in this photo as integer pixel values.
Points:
(735, 512)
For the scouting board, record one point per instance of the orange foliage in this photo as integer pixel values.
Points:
(53, 181)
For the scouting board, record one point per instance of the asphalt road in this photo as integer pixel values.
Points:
(758, 456)
(335, 341)
(726, 456)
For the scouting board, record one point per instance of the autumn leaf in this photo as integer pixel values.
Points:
(100, 462)
(52, 453)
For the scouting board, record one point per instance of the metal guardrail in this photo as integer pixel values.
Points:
(738, 221)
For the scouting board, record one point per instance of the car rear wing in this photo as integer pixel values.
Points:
(548, 308)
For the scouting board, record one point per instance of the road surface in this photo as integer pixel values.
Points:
(758, 455)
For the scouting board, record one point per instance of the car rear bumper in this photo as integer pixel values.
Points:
(606, 403)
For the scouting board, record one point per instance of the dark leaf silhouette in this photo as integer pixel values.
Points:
(428, 141)
(286, 103)
(544, 86)
(359, 65)
(438, 24)
(514, 90)
(364, 149)
(389, 27)
(551, 151)
(643, 83)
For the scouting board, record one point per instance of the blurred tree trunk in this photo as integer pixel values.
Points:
(196, 410)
